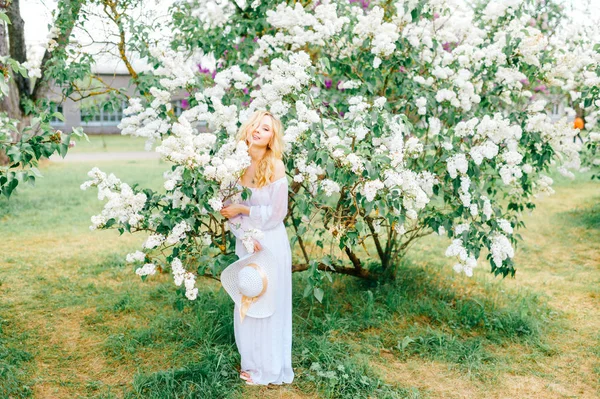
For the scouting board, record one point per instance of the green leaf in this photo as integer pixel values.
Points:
(307, 290)
(5, 18)
(8, 189)
(59, 116)
(36, 172)
(405, 342)
(319, 294)
(62, 149)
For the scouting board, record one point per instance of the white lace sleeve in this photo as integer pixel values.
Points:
(238, 224)
(266, 217)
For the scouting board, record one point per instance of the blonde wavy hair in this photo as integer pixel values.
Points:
(266, 166)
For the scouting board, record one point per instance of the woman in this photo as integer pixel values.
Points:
(265, 345)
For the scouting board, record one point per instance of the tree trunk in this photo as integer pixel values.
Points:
(11, 103)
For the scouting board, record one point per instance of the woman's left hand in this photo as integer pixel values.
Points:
(230, 211)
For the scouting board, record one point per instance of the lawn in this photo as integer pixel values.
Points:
(76, 322)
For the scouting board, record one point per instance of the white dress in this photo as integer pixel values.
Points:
(265, 345)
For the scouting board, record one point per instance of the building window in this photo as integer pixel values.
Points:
(54, 121)
(179, 106)
(99, 117)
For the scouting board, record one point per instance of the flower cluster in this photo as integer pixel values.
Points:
(123, 206)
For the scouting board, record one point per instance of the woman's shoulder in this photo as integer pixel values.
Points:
(279, 169)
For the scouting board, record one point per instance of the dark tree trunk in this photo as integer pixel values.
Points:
(12, 43)
(16, 44)
(11, 103)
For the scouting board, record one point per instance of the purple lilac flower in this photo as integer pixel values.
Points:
(525, 81)
(328, 83)
(185, 104)
(364, 3)
(245, 90)
(203, 70)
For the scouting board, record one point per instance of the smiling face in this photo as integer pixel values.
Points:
(261, 136)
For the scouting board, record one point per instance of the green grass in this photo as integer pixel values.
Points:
(15, 358)
(76, 321)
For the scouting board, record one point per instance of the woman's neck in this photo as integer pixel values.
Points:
(257, 153)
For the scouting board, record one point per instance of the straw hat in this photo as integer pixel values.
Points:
(250, 282)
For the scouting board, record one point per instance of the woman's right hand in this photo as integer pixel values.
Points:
(257, 246)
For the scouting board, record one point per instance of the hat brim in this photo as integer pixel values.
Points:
(264, 306)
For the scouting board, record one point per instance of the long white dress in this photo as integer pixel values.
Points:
(265, 344)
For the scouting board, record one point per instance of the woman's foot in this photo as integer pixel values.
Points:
(245, 376)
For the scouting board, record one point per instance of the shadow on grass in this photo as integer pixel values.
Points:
(14, 380)
(423, 314)
(587, 217)
(419, 314)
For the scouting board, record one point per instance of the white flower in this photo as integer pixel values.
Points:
(456, 163)
(421, 103)
(466, 262)
(505, 225)
(178, 271)
(413, 147)
(153, 241)
(379, 102)
(330, 187)
(371, 188)
(147, 269)
(466, 266)
(376, 62)
(399, 228)
(249, 236)
(216, 204)
(435, 126)
(138, 256)
(178, 233)
(500, 248)
(189, 281)
(459, 228)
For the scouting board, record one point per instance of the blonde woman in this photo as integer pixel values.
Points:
(265, 345)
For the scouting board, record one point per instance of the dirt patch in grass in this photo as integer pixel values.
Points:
(69, 359)
(433, 378)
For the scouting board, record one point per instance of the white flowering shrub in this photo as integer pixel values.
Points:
(574, 80)
(402, 119)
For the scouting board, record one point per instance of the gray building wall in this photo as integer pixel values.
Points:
(103, 123)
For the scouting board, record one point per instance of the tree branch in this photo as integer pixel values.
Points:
(70, 12)
(350, 271)
(17, 48)
(375, 235)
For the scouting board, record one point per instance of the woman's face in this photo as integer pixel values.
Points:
(261, 136)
